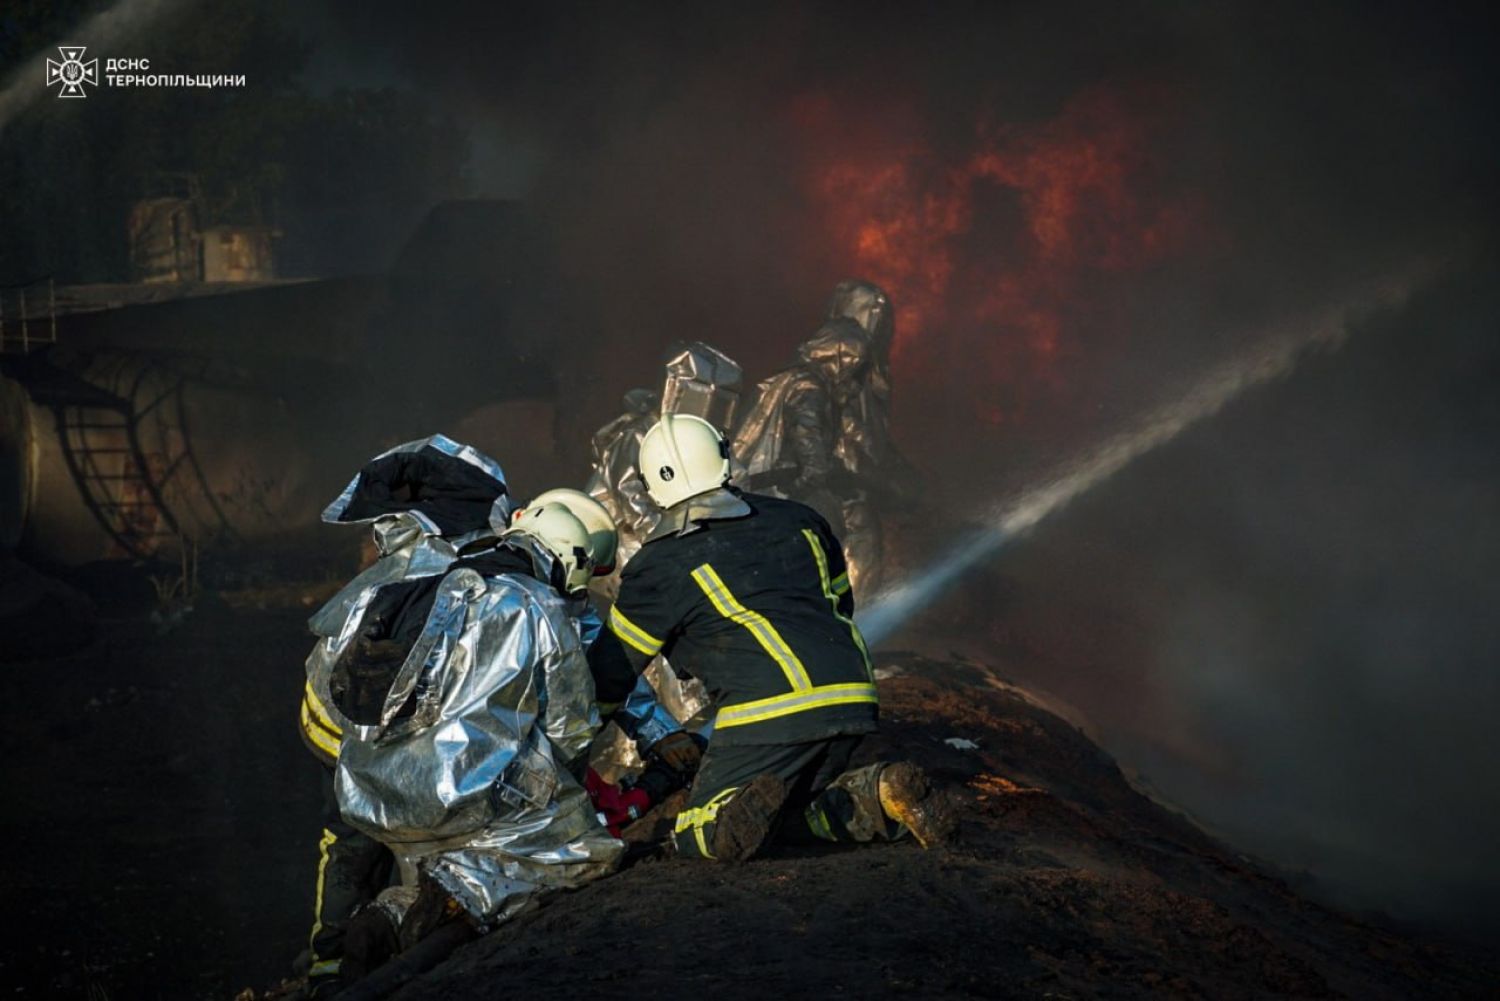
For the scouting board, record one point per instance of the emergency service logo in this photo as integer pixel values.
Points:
(72, 72)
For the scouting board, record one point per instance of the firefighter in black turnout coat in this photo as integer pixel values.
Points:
(751, 594)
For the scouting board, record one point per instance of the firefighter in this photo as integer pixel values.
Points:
(426, 500)
(803, 438)
(751, 594)
(475, 707)
(614, 482)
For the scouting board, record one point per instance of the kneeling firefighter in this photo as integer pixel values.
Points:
(472, 714)
(427, 502)
(751, 594)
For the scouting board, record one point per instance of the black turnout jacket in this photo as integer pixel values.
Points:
(752, 596)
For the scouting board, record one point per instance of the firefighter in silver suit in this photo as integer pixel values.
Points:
(804, 437)
(865, 446)
(615, 482)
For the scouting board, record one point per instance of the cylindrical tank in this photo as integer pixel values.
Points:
(162, 457)
(17, 462)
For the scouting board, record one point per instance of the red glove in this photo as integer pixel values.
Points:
(617, 808)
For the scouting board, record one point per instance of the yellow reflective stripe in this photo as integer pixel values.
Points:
(311, 701)
(841, 584)
(796, 702)
(759, 626)
(817, 821)
(327, 842)
(321, 738)
(699, 817)
(633, 634)
(830, 592)
(326, 968)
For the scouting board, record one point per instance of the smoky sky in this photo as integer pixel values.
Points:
(1290, 608)
(1326, 141)
(1293, 631)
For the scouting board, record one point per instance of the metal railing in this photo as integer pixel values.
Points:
(29, 326)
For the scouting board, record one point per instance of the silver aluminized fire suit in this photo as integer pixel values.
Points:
(469, 774)
(700, 380)
(420, 542)
(806, 438)
(615, 481)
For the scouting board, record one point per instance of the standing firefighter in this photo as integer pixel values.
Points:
(750, 593)
(790, 442)
(615, 482)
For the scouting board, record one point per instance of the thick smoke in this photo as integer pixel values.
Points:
(1284, 619)
(1287, 608)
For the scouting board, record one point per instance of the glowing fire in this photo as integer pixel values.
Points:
(989, 252)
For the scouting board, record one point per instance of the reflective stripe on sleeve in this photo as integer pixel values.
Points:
(631, 634)
(324, 734)
(759, 626)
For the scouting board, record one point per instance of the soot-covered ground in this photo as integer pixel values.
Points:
(163, 818)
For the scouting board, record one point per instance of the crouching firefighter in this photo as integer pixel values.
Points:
(426, 502)
(751, 594)
(472, 708)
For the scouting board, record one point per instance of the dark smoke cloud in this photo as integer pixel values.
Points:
(1290, 625)
(1291, 609)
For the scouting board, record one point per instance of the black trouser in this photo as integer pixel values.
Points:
(352, 869)
(825, 801)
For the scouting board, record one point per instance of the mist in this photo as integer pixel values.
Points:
(1292, 639)
(1282, 621)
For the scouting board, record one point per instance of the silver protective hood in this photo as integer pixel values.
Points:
(684, 517)
(490, 522)
(410, 545)
(616, 481)
(466, 775)
(702, 381)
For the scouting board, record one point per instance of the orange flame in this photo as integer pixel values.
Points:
(988, 253)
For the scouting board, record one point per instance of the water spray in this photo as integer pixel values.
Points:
(116, 26)
(1273, 356)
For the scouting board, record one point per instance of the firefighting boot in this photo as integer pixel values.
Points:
(369, 942)
(744, 825)
(907, 798)
(432, 909)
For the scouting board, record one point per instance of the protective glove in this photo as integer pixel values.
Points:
(616, 808)
(678, 751)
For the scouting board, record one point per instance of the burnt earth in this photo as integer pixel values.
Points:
(164, 818)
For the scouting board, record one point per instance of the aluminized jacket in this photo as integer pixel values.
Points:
(466, 775)
(413, 539)
(792, 433)
(616, 482)
(420, 543)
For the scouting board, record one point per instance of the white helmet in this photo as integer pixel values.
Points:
(559, 532)
(682, 456)
(604, 538)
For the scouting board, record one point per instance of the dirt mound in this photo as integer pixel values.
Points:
(1066, 883)
(167, 820)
